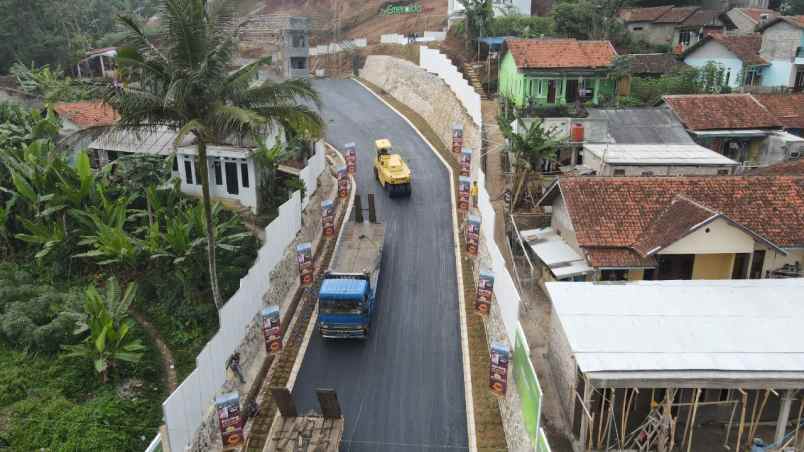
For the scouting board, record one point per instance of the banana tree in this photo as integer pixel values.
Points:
(105, 317)
(531, 147)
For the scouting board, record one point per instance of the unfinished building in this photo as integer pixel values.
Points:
(680, 365)
(284, 38)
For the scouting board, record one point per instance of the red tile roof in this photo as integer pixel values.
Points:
(703, 17)
(721, 111)
(676, 15)
(788, 108)
(643, 14)
(790, 168)
(755, 14)
(560, 53)
(87, 113)
(617, 211)
(617, 258)
(746, 47)
(676, 221)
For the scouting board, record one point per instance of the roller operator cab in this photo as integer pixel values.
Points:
(391, 171)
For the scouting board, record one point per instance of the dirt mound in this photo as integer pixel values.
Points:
(360, 18)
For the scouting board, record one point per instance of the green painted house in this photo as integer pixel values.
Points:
(550, 72)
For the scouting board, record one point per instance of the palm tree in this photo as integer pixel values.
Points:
(183, 82)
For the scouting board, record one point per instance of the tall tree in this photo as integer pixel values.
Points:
(184, 83)
(531, 147)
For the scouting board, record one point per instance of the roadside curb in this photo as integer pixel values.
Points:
(467, 374)
(311, 326)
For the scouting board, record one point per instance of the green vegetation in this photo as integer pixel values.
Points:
(649, 91)
(57, 33)
(184, 83)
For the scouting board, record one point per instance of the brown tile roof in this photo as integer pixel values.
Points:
(676, 15)
(560, 53)
(643, 14)
(703, 17)
(796, 21)
(720, 111)
(654, 63)
(790, 168)
(788, 108)
(616, 211)
(746, 47)
(617, 258)
(676, 221)
(755, 14)
(87, 113)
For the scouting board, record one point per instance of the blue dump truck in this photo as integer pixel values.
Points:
(347, 296)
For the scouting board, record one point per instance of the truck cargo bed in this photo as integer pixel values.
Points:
(360, 248)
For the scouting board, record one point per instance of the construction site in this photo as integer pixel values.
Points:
(678, 365)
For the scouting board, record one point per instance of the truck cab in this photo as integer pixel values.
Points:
(345, 307)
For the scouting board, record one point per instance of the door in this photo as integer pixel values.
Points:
(551, 91)
(740, 268)
(757, 263)
(675, 266)
(572, 90)
(798, 86)
(232, 187)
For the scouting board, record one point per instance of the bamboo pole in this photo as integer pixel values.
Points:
(621, 436)
(686, 426)
(728, 427)
(627, 413)
(600, 420)
(694, 412)
(759, 415)
(800, 445)
(742, 419)
(609, 417)
(589, 443)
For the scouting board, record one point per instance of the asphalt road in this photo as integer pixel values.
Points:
(402, 389)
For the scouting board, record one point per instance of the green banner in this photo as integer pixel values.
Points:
(542, 445)
(393, 10)
(527, 385)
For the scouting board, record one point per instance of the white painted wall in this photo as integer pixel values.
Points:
(775, 260)
(246, 196)
(433, 61)
(721, 238)
(715, 52)
(186, 408)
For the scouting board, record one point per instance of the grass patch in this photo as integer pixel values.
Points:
(488, 421)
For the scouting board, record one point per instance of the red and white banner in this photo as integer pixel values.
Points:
(464, 189)
(457, 138)
(230, 420)
(343, 182)
(485, 290)
(328, 218)
(304, 256)
(498, 371)
(472, 234)
(466, 162)
(272, 329)
(351, 158)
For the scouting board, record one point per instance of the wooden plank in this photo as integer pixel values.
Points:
(284, 401)
(328, 399)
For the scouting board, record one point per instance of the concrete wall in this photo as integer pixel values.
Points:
(779, 44)
(563, 367)
(561, 222)
(717, 237)
(656, 34)
(437, 63)
(188, 411)
(424, 93)
(714, 52)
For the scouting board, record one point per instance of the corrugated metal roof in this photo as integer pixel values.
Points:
(730, 325)
(554, 252)
(642, 125)
(158, 141)
(658, 154)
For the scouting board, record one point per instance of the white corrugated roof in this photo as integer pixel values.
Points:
(555, 252)
(156, 141)
(729, 325)
(658, 154)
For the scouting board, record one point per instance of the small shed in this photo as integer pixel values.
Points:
(699, 364)
(656, 160)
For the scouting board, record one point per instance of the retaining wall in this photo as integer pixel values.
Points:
(188, 410)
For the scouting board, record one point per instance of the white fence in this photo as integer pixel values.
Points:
(504, 289)
(335, 47)
(433, 61)
(186, 408)
(429, 36)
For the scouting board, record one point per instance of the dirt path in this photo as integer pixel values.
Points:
(164, 352)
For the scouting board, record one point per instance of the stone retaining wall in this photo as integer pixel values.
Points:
(426, 94)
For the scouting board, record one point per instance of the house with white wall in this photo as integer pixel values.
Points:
(678, 27)
(783, 48)
(737, 55)
(655, 160)
(681, 227)
(233, 172)
(746, 20)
